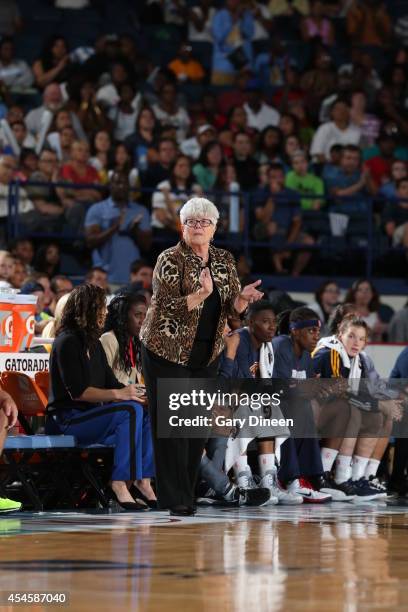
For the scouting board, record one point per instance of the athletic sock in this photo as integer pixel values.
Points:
(328, 458)
(372, 468)
(266, 463)
(358, 467)
(343, 468)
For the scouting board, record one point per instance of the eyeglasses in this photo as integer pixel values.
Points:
(198, 222)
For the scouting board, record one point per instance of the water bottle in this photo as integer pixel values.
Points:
(234, 207)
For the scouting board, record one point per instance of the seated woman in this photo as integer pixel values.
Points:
(121, 344)
(172, 194)
(86, 400)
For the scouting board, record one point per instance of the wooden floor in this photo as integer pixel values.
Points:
(337, 557)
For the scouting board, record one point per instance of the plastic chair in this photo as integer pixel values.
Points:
(43, 381)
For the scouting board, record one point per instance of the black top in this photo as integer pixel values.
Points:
(72, 371)
(207, 328)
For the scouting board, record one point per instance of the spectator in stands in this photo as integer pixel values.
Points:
(185, 67)
(379, 166)
(116, 229)
(269, 148)
(318, 82)
(124, 114)
(100, 150)
(7, 167)
(19, 274)
(302, 181)
(349, 181)
(108, 95)
(98, 277)
(142, 142)
(368, 23)
(23, 139)
(291, 145)
(62, 143)
(60, 285)
(53, 66)
(395, 216)
(168, 111)
(232, 30)
(79, 171)
(337, 131)
(89, 111)
(27, 164)
(23, 249)
(368, 123)
(398, 327)
(327, 297)
(39, 118)
(388, 110)
(366, 299)
(172, 194)
(48, 214)
(48, 259)
(81, 381)
(200, 19)
(330, 168)
(8, 419)
(279, 222)
(388, 190)
(245, 164)
(159, 170)
(60, 120)
(141, 272)
(316, 27)
(192, 147)
(122, 163)
(208, 167)
(6, 269)
(289, 125)
(10, 18)
(259, 114)
(14, 73)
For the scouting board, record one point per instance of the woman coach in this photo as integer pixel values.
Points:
(195, 288)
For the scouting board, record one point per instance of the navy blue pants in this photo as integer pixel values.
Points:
(124, 425)
(300, 457)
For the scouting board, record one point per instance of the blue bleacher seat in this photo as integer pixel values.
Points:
(39, 442)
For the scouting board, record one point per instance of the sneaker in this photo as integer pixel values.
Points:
(327, 484)
(9, 505)
(303, 487)
(279, 495)
(375, 482)
(366, 492)
(249, 490)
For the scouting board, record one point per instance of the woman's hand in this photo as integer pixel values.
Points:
(248, 295)
(206, 282)
(129, 393)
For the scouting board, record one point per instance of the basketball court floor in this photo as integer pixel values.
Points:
(334, 557)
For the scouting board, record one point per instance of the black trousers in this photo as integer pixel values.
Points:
(177, 460)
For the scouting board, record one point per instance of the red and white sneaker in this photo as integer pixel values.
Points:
(303, 487)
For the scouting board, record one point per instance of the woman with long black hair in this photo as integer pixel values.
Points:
(121, 344)
(86, 400)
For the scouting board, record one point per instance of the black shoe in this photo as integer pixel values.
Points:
(326, 484)
(137, 494)
(253, 497)
(182, 510)
(129, 506)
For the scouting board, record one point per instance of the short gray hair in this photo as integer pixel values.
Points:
(199, 207)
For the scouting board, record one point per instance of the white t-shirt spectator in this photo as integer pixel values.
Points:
(16, 74)
(329, 134)
(260, 33)
(260, 120)
(205, 35)
(180, 120)
(177, 200)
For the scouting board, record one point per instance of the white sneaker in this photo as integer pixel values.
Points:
(251, 493)
(310, 496)
(267, 482)
(287, 498)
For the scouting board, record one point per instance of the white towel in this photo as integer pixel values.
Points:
(266, 360)
(354, 363)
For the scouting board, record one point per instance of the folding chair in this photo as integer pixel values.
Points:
(42, 379)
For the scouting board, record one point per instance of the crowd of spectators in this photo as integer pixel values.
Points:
(301, 104)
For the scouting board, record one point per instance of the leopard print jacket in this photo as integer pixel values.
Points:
(169, 328)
